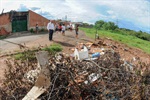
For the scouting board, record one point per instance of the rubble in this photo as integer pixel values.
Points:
(105, 78)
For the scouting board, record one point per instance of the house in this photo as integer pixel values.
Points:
(14, 21)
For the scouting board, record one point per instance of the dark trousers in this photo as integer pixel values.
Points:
(50, 34)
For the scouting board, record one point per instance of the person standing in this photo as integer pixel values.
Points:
(60, 27)
(63, 29)
(56, 30)
(76, 30)
(37, 28)
(50, 28)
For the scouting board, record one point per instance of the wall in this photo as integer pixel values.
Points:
(35, 18)
(5, 23)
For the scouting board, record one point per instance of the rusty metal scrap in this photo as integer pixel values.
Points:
(105, 78)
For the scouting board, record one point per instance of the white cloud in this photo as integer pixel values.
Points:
(110, 12)
(135, 11)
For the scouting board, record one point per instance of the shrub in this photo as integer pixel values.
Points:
(42, 30)
(31, 30)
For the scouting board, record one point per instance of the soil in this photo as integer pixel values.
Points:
(69, 41)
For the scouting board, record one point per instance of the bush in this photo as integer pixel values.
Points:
(42, 30)
(31, 30)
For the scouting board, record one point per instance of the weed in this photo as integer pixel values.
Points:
(53, 48)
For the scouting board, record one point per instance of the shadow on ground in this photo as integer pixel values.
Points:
(70, 36)
(64, 44)
(87, 40)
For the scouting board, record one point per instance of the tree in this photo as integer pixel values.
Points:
(109, 26)
(99, 24)
(105, 25)
(87, 25)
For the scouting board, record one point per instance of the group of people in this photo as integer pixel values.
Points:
(58, 27)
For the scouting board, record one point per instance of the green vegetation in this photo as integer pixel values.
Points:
(53, 48)
(105, 25)
(110, 26)
(32, 30)
(128, 39)
(42, 30)
(30, 55)
(3, 36)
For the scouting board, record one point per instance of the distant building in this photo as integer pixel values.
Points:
(75, 23)
(14, 21)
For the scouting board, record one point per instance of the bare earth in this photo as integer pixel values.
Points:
(68, 42)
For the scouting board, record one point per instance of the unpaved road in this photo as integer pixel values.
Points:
(32, 41)
(10, 44)
(68, 41)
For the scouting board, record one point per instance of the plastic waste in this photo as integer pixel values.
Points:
(97, 54)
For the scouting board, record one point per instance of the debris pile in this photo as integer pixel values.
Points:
(105, 78)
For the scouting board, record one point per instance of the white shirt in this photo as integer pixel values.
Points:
(63, 28)
(50, 26)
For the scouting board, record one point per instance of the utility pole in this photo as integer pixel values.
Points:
(2, 11)
(96, 34)
(66, 17)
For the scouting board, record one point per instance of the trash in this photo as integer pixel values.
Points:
(32, 75)
(97, 54)
(93, 77)
(105, 78)
(94, 50)
(43, 80)
(80, 55)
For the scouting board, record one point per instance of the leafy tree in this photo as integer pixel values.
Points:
(109, 26)
(105, 25)
(99, 24)
(87, 25)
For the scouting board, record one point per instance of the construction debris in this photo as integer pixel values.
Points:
(43, 79)
(106, 78)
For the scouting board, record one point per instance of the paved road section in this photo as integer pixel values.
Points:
(10, 44)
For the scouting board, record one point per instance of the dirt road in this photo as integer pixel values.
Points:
(32, 41)
(68, 41)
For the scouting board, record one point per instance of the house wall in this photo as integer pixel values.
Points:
(5, 23)
(34, 19)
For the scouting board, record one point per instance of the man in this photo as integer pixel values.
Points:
(76, 30)
(50, 28)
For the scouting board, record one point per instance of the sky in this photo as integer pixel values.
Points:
(130, 14)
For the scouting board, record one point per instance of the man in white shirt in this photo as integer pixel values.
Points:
(50, 28)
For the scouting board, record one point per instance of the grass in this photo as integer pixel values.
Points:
(131, 41)
(30, 55)
(53, 48)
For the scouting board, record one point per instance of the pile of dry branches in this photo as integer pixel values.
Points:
(106, 78)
